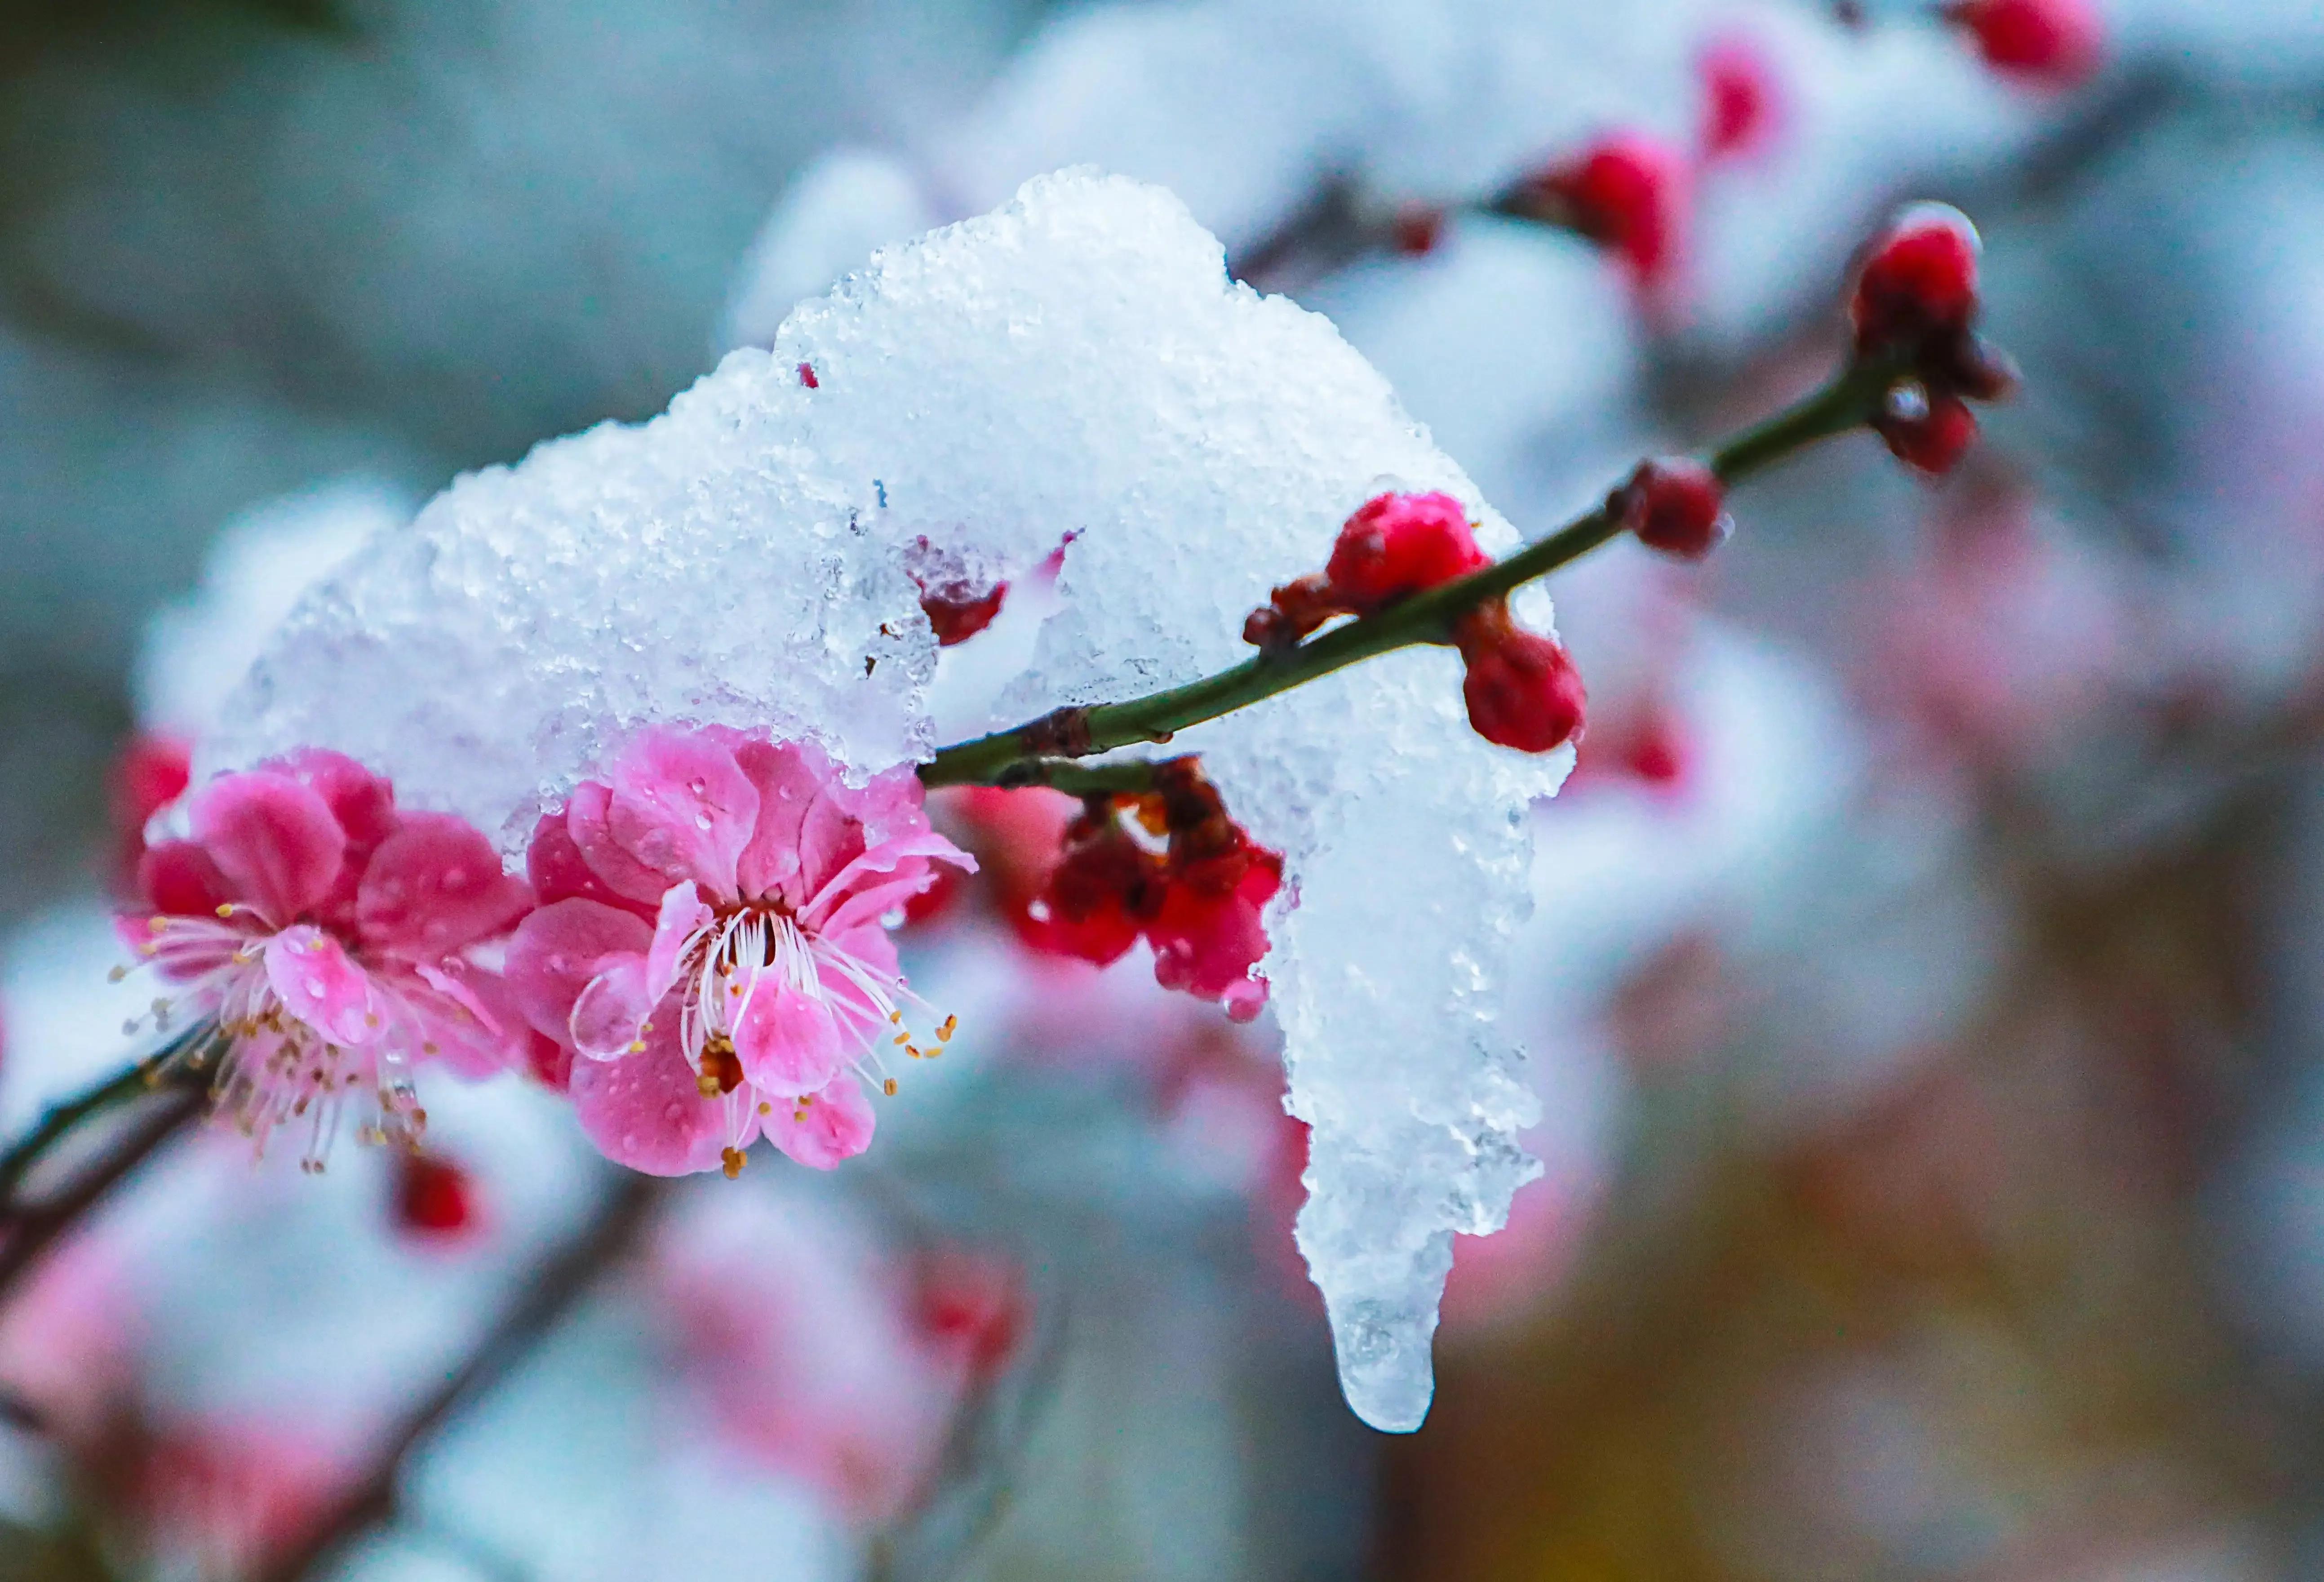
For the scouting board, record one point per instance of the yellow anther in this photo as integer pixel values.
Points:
(903, 1038)
(951, 1025)
(638, 1047)
(226, 908)
(895, 1016)
(157, 924)
(889, 1088)
(765, 1108)
(732, 1159)
(706, 1085)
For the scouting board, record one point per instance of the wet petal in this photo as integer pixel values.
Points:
(787, 1040)
(557, 950)
(820, 1131)
(276, 840)
(321, 985)
(558, 870)
(436, 886)
(609, 1019)
(682, 916)
(881, 880)
(648, 1113)
(363, 802)
(587, 820)
(682, 807)
(471, 1018)
(788, 777)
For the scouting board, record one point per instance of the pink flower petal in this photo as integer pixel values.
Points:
(435, 887)
(319, 985)
(363, 802)
(276, 840)
(557, 950)
(609, 1018)
(830, 1125)
(178, 879)
(881, 880)
(471, 1016)
(587, 821)
(787, 1040)
(683, 914)
(870, 947)
(648, 1114)
(683, 808)
(789, 776)
(558, 870)
(830, 837)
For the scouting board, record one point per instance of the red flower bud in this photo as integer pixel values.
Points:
(1521, 689)
(1678, 506)
(958, 614)
(2057, 42)
(1400, 545)
(433, 1195)
(1416, 229)
(1929, 432)
(1738, 100)
(1629, 192)
(1089, 905)
(806, 376)
(1919, 282)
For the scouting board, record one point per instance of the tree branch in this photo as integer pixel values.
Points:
(1029, 754)
(543, 1301)
(30, 1229)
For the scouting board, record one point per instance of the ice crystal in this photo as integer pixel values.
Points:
(1075, 368)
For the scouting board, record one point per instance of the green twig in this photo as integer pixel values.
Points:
(1034, 753)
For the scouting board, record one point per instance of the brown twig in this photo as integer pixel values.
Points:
(30, 1229)
(546, 1297)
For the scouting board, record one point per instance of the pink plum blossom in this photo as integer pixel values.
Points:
(713, 943)
(812, 1353)
(329, 942)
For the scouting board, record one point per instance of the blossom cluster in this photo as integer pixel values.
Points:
(699, 954)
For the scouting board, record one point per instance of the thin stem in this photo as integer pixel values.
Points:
(31, 1229)
(62, 1119)
(545, 1299)
(1031, 754)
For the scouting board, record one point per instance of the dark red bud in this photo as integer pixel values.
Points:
(1919, 281)
(433, 1195)
(1678, 506)
(1416, 229)
(1930, 433)
(1395, 545)
(1521, 687)
(2054, 42)
(1738, 100)
(1629, 192)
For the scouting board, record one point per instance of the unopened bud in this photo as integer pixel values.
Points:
(1931, 433)
(1678, 506)
(1919, 281)
(2055, 42)
(1521, 687)
(1395, 545)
